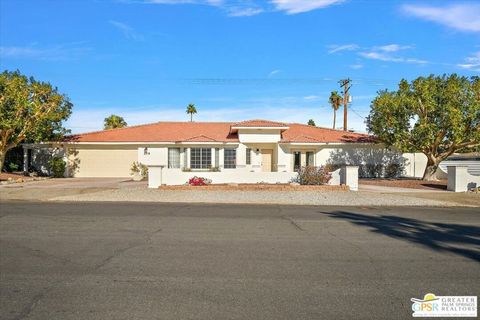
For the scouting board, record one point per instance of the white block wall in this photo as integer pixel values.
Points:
(459, 180)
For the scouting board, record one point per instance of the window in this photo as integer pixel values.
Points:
(200, 158)
(249, 156)
(296, 162)
(174, 157)
(310, 161)
(217, 157)
(230, 158)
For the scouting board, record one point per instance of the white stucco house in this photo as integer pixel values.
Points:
(249, 151)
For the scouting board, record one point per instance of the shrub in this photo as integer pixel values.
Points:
(330, 167)
(310, 175)
(13, 167)
(57, 167)
(199, 181)
(215, 169)
(393, 170)
(139, 168)
(374, 170)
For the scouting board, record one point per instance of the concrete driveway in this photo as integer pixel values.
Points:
(183, 261)
(51, 188)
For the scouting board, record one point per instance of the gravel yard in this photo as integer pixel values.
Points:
(270, 197)
(406, 183)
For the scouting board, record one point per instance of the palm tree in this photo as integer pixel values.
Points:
(113, 122)
(191, 110)
(311, 122)
(335, 100)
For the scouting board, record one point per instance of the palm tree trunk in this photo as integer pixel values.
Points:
(191, 117)
(334, 118)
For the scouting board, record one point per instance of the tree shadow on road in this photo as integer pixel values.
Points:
(463, 240)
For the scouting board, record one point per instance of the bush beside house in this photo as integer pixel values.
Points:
(311, 175)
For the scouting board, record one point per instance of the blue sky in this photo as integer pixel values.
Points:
(235, 59)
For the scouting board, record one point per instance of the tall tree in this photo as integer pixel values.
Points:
(311, 123)
(435, 115)
(191, 110)
(30, 111)
(113, 122)
(335, 100)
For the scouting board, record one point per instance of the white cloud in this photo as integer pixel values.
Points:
(356, 66)
(392, 47)
(205, 2)
(273, 72)
(70, 51)
(471, 63)
(244, 12)
(386, 53)
(379, 56)
(312, 98)
(127, 31)
(459, 16)
(232, 8)
(300, 6)
(334, 48)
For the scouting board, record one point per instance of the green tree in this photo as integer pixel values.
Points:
(30, 111)
(335, 100)
(311, 123)
(191, 110)
(435, 115)
(113, 122)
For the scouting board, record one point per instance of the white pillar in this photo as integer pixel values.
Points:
(349, 177)
(155, 176)
(457, 178)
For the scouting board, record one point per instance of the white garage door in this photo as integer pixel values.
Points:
(104, 162)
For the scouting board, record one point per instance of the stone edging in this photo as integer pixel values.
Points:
(258, 187)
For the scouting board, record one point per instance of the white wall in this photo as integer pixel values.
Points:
(259, 135)
(178, 177)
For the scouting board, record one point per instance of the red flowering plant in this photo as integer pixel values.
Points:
(199, 181)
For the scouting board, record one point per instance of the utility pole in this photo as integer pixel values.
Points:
(346, 85)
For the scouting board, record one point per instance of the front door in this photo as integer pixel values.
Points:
(267, 156)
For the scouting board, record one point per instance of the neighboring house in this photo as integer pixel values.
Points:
(470, 160)
(252, 150)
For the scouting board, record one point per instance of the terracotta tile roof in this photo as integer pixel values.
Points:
(305, 133)
(215, 132)
(259, 123)
(162, 132)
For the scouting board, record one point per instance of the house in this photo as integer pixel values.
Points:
(248, 151)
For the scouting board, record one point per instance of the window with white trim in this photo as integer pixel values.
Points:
(200, 158)
(310, 158)
(249, 156)
(229, 158)
(174, 157)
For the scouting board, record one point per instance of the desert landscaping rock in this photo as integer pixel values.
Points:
(256, 197)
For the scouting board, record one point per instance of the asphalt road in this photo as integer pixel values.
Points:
(178, 261)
